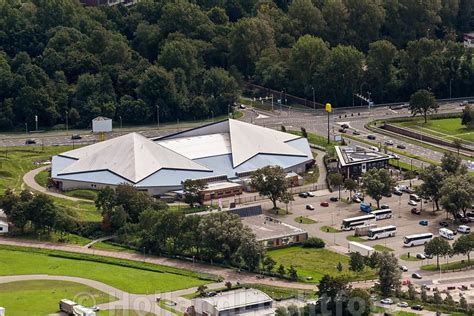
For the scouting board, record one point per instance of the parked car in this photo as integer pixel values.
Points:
(403, 268)
(389, 142)
(428, 256)
(342, 130)
(420, 256)
(443, 224)
(412, 203)
(417, 307)
(416, 276)
(356, 199)
(397, 192)
(415, 211)
(355, 133)
(345, 125)
(395, 156)
(334, 199)
(324, 204)
(389, 194)
(400, 146)
(384, 207)
(423, 222)
(242, 106)
(309, 207)
(464, 229)
(310, 194)
(402, 304)
(303, 195)
(76, 136)
(387, 301)
(409, 190)
(371, 137)
(30, 141)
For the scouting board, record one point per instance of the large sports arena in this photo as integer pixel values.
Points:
(221, 151)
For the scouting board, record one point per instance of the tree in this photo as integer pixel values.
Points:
(202, 290)
(463, 303)
(192, 191)
(448, 300)
(332, 286)
(293, 273)
(350, 185)
(362, 299)
(457, 194)
(437, 247)
(339, 266)
(356, 262)
(251, 251)
(228, 285)
(304, 133)
(423, 102)
(268, 263)
(306, 18)
(451, 163)
(424, 294)
(437, 299)
(270, 181)
(281, 270)
(377, 183)
(411, 292)
(337, 180)
(464, 245)
(458, 143)
(433, 178)
(389, 274)
(373, 260)
(467, 116)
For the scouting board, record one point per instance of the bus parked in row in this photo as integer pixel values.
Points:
(416, 240)
(353, 222)
(382, 214)
(382, 232)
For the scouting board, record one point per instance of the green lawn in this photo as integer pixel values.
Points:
(82, 194)
(449, 266)
(112, 247)
(166, 305)
(412, 257)
(41, 297)
(123, 312)
(53, 237)
(304, 220)
(355, 238)
(281, 293)
(147, 278)
(318, 140)
(382, 248)
(446, 128)
(42, 178)
(315, 263)
(329, 229)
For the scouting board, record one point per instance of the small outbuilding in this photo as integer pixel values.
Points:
(3, 227)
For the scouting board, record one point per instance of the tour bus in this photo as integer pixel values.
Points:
(382, 214)
(446, 233)
(416, 240)
(382, 232)
(353, 222)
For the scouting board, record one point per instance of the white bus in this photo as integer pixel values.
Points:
(382, 214)
(416, 240)
(353, 222)
(382, 232)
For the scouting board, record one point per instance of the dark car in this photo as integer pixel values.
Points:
(76, 136)
(443, 224)
(416, 276)
(400, 146)
(415, 211)
(371, 137)
(355, 133)
(324, 204)
(397, 192)
(333, 199)
(388, 194)
(303, 195)
(342, 130)
(417, 307)
(345, 125)
(30, 141)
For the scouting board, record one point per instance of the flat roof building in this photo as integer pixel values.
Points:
(354, 161)
(219, 151)
(239, 302)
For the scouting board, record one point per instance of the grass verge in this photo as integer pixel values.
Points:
(41, 297)
(304, 220)
(456, 265)
(355, 238)
(329, 229)
(147, 277)
(167, 305)
(382, 248)
(315, 263)
(412, 257)
(82, 194)
(123, 312)
(42, 178)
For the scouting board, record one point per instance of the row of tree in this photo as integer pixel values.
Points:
(186, 60)
(439, 247)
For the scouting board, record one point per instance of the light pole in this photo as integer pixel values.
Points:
(120, 117)
(228, 110)
(26, 128)
(158, 115)
(328, 109)
(36, 122)
(450, 81)
(67, 128)
(314, 100)
(212, 116)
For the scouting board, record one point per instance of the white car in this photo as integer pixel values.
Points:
(395, 156)
(387, 301)
(389, 142)
(402, 304)
(421, 256)
(311, 194)
(309, 207)
(404, 268)
(412, 203)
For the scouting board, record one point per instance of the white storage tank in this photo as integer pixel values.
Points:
(101, 125)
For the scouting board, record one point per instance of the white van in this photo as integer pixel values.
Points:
(464, 229)
(446, 233)
(415, 198)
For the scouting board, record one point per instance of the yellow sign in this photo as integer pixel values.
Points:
(328, 107)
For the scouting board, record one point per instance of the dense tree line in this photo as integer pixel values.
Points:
(189, 58)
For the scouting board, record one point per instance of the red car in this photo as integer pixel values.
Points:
(324, 203)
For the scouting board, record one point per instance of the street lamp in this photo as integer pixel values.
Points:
(158, 116)
(450, 81)
(212, 116)
(67, 115)
(26, 128)
(120, 117)
(314, 100)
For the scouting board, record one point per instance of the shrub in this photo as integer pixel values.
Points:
(314, 242)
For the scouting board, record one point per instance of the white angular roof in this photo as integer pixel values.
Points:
(248, 140)
(132, 156)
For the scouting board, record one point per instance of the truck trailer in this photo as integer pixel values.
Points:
(360, 248)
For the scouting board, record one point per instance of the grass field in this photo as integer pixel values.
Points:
(318, 140)
(382, 248)
(42, 178)
(165, 304)
(53, 237)
(304, 220)
(124, 312)
(412, 257)
(310, 262)
(448, 266)
(355, 238)
(147, 278)
(446, 128)
(82, 194)
(41, 297)
(329, 229)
